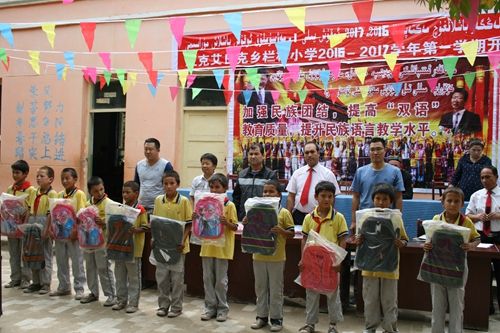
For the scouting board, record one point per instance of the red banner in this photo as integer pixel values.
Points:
(423, 38)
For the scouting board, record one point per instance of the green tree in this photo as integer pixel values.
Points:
(457, 8)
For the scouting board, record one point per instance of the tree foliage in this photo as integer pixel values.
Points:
(458, 8)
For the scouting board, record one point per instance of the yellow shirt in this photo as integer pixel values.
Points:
(43, 203)
(333, 227)
(467, 224)
(394, 275)
(226, 251)
(285, 221)
(29, 191)
(77, 197)
(140, 222)
(101, 207)
(178, 209)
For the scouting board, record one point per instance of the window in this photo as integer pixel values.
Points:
(211, 97)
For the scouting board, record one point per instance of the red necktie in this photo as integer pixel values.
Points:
(304, 197)
(487, 210)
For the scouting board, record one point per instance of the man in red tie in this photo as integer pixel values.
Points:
(301, 186)
(484, 211)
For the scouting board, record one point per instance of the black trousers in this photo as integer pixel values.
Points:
(494, 238)
(298, 217)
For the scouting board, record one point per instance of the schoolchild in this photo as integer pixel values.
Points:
(200, 183)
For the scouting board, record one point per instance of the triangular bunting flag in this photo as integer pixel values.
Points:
(88, 31)
(361, 73)
(247, 94)
(190, 80)
(470, 50)
(449, 65)
(234, 20)
(287, 78)
(297, 17)
(228, 94)
(90, 74)
(432, 82)
(173, 92)
(6, 64)
(120, 73)
(183, 73)
(469, 78)
(225, 81)
(397, 87)
(133, 26)
(494, 58)
(283, 48)
(391, 59)
(125, 87)
(324, 75)
(153, 77)
(276, 95)
(364, 91)
(106, 59)
(102, 82)
(333, 94)
(294, 71)
(396, 71)
(146, 59)
(253, 76)
(177, 28)
(35, 61)
(337, 39)
(65, 2)
(219, 75)
(334, 67)
(69, 57)
(153, 88)
(50, 31)
(60, 71)
(397, 32)
(195, 92)
(6, 31)
(233, 54)
(3, 55)
(363, 11)
(107, 77)
(190, 59)
(302, 95)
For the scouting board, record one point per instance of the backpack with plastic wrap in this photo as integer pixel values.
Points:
(63, 219)
(90, 235)
(207, 228)
(12, 214)
(262, 215)
(33, 256)
(120, 220)
(167, 234)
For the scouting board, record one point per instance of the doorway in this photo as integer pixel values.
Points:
(107, 151)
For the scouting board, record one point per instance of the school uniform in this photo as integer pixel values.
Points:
(39, 203)
(199, 183)
(215, 261)
(443, 296)
(66, 249)
(128, 273)
(380, 289)
(97, 264)
(332, 228)
(19, 274)
(268, 272)
(171, 277)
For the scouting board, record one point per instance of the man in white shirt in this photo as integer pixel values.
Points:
(484, 211)
(302, 204)
(460, 120)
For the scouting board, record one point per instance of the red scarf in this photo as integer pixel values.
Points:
(70, 194)
(23, 187)
(37, 199)
(320, 222)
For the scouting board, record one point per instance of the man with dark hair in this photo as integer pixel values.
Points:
(251, 180)
(407, 179)
(260, 100)
(460, 120)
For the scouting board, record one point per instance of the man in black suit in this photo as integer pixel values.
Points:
(259, 96)
(460, 121)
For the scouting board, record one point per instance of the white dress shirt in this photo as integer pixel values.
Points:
(477, 205)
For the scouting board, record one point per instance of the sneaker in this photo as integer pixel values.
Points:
(276, 325)
(79, 295)
(221, 317)
(119, 306)
(333, 328)
(24, 284)
(131, 309)
(89, 298)
(173, 314)
(207, 316)
(161, 312)
(13, 284)
(307, 329)
(259, 323)
(60, 293)
(110, 301)
(32, 288)
(44, 290)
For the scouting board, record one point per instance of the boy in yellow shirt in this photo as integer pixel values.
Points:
(20, 275)
(331, 225)
(174, 206)
(128, 274)
(215, 259)
(39, 203)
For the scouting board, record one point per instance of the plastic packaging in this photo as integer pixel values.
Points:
(13, 212)
(379, 228)
(63, 219)
(167, 235)
(207, 228)
(33, 256)
(90, 235)
(120, 220)
(445, 263)
(319, 258)
(262, 216)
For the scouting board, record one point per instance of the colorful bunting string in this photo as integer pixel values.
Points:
(88, 31)
(132, 26)
(50, 31)
(297, 17)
